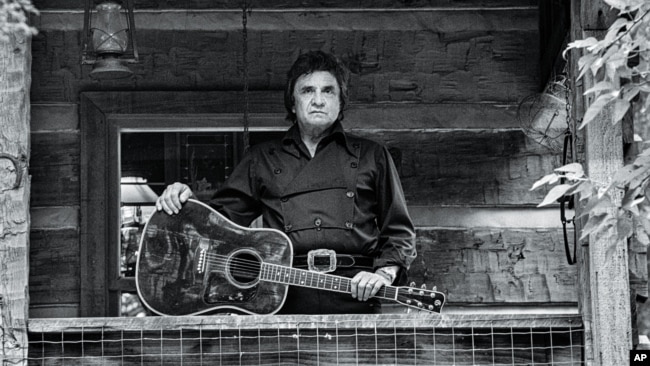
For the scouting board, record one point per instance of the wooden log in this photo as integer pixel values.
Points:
(15, 78)
(55, 168)
(414, 56)
(54, 262)
(54, 117)
(494, 265)
(287, 4)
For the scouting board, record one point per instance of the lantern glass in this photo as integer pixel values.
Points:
(109, 29)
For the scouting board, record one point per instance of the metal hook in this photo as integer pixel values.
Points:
(18, 165)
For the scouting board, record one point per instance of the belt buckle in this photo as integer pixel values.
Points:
(314, 260)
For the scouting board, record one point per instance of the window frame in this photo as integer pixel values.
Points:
(103, 117)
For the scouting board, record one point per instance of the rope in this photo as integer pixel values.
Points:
(245, 11)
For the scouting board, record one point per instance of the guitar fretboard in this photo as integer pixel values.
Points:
(323, 281)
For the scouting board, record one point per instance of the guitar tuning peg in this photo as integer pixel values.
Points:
(424, 286)
(412, 284)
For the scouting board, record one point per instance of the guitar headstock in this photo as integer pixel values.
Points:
(421, 298)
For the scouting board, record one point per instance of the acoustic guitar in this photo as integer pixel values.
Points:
(198, 262)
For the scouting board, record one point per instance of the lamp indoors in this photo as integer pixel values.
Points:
(135, 194)
(109, 39)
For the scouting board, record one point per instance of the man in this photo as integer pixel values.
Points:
(327, 190)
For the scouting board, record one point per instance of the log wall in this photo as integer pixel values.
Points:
(438, 81)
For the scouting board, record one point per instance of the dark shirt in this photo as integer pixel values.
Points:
(348, 197)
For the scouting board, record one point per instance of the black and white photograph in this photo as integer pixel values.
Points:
(328, 182)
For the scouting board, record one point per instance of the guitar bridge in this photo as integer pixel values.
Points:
(200, 263)
(202, 256)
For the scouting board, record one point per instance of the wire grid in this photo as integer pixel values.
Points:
(323, 344)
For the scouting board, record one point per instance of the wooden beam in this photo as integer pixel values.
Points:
(343, 321)
(15, 79)
(604, 298)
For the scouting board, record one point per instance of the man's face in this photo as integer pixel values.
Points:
(316, 100)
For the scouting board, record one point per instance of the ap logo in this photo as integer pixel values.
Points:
(639, 357)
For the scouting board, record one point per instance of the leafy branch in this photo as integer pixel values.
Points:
(14, 18)
(620, 67)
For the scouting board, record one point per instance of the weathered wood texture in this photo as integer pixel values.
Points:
(54, 263)
(608, 278)
(15, 79)
(604, 298)
(470, 57)
(311, 340)
(55, 168)
(54, 233)
(417, 77)
(489, 265)
(284, 4)
(476, 168)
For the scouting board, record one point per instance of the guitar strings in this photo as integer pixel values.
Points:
(247, 268)
(253, 268)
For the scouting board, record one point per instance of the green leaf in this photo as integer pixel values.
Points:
(630, 198)
(555, 193)
(597, 223)
(602, 85)
(582, 43)
(596, 107)
(584, 64)
(573, 171)
(596, 206)
(630, 91)
(547, 179)
(575, 168)
(620, 109)
(624, 229)
(624, 175)
(618, 4)
(584, 190)
(642, 237)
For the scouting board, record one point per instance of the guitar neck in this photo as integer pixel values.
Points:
(322, 281)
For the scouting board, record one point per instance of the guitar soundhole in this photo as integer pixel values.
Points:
(243, 268)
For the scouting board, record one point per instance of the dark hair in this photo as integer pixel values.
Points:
(312, 61)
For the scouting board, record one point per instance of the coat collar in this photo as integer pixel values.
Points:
(292, 143)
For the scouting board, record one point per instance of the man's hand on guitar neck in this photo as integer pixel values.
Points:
(366, 284)
(172, 199)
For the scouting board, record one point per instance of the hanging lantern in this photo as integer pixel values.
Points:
(109, 39)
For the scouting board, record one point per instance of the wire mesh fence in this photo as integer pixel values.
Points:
(309, 340)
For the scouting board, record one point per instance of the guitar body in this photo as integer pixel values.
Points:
(197, 261)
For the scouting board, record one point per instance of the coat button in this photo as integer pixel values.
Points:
(284, 199)
(354, 164)
(350, 194)
(355, 145)
(349, 225)
(277, 171)
(287, 227)
(318, 222)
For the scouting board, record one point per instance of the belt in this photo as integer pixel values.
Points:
(342, 261)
